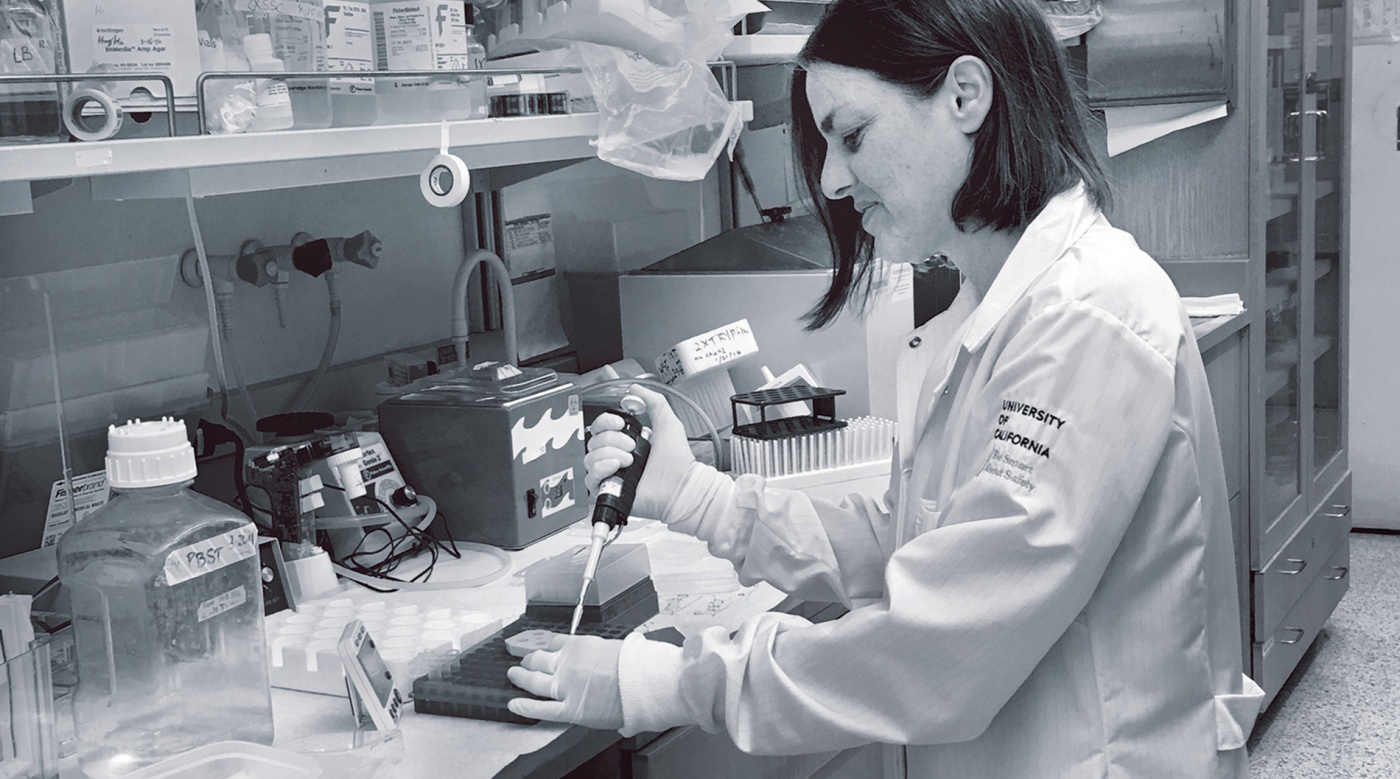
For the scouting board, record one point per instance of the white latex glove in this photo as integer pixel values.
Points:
(670, 458)
(579, 674)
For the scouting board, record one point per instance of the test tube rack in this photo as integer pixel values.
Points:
(474, 684)
(302, 644)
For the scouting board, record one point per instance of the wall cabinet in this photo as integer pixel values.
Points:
(1256, 203)
(1299, 525)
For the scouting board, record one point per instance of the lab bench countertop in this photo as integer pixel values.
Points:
(683, 573)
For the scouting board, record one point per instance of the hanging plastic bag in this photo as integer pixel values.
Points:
(1072, 18)
(662, 114)
(663, 121)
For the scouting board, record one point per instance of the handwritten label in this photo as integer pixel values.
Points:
(209, 555)
(707, 350)
(220, 603)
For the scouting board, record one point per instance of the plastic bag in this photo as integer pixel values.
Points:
(663, 121)
(1072, 18)
(662, 114)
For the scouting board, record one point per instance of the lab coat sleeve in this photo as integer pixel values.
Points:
(813, 549)
(973, 604)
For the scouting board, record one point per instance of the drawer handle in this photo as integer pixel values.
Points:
(1343, 508)
(1302, 564)
(1341, 573)
(1298, 636)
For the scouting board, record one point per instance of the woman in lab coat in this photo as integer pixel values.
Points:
(1048, 588)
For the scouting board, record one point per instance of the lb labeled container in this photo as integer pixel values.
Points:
(167, 611)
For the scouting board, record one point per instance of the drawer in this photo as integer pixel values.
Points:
(1282, 581)
(1277, 656)
(689, 752)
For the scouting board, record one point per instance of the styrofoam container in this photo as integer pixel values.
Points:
(229, 759)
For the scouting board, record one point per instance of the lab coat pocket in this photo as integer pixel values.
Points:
(1235, 714)
(926, 516)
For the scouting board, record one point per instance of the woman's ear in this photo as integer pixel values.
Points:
(969, 82)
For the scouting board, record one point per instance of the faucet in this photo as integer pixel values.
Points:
(460, 326)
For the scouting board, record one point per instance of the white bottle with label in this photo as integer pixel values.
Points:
(298, 33)
(167, 611)
(274, 101)
(350, 47)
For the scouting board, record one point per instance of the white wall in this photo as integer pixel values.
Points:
(1375, 286)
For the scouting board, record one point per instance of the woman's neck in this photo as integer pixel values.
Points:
(980, 255)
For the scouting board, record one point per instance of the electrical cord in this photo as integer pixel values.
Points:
(666, 389)
(379, 580)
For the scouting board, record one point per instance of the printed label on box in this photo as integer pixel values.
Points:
(90, 493)
(134, 46)
(557, 492)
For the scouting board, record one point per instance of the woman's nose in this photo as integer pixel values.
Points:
(836, 177)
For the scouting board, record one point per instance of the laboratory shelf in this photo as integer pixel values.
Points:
(223, 164)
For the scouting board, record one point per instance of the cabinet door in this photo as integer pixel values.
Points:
(1328, 277)
(1288, 236)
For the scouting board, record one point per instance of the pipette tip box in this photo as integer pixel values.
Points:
(556, 580)
(474, 684)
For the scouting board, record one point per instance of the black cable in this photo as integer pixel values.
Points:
(395, 550)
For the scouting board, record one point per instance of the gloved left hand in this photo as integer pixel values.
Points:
(579, 674)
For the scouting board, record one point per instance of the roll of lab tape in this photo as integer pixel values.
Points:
(91, 128)
(446, 181)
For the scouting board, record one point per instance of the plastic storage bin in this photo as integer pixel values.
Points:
(230, 759)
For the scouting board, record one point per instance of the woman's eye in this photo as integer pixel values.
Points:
(851, 140)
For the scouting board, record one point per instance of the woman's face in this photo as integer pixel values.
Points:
(900, 158)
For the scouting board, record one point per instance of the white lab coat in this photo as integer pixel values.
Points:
(1054, 593)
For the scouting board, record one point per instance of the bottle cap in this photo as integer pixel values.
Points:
(149, 454)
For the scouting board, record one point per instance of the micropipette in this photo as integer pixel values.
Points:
(615, 496)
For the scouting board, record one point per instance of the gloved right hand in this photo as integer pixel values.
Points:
(609, 449)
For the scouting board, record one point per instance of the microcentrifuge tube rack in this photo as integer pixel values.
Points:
(302, 644)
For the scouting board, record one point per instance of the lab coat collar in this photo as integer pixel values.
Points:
(1062, 222)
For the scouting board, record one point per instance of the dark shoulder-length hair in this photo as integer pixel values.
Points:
(1031, 147)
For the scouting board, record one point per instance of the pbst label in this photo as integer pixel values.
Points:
(209, 555)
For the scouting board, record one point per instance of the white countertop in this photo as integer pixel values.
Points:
(695, 591)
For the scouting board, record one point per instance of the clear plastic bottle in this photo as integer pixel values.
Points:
(29, 46)
(167, 611)
(298, 33)
(275, 110)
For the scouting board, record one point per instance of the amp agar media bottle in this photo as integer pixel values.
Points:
(167, 611)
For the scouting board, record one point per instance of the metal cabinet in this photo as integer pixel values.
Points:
(691, 752)
(1300, 474)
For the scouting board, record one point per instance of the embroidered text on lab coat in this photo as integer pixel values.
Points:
(1025, 409)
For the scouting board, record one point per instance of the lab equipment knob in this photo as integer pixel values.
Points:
(404, 497)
